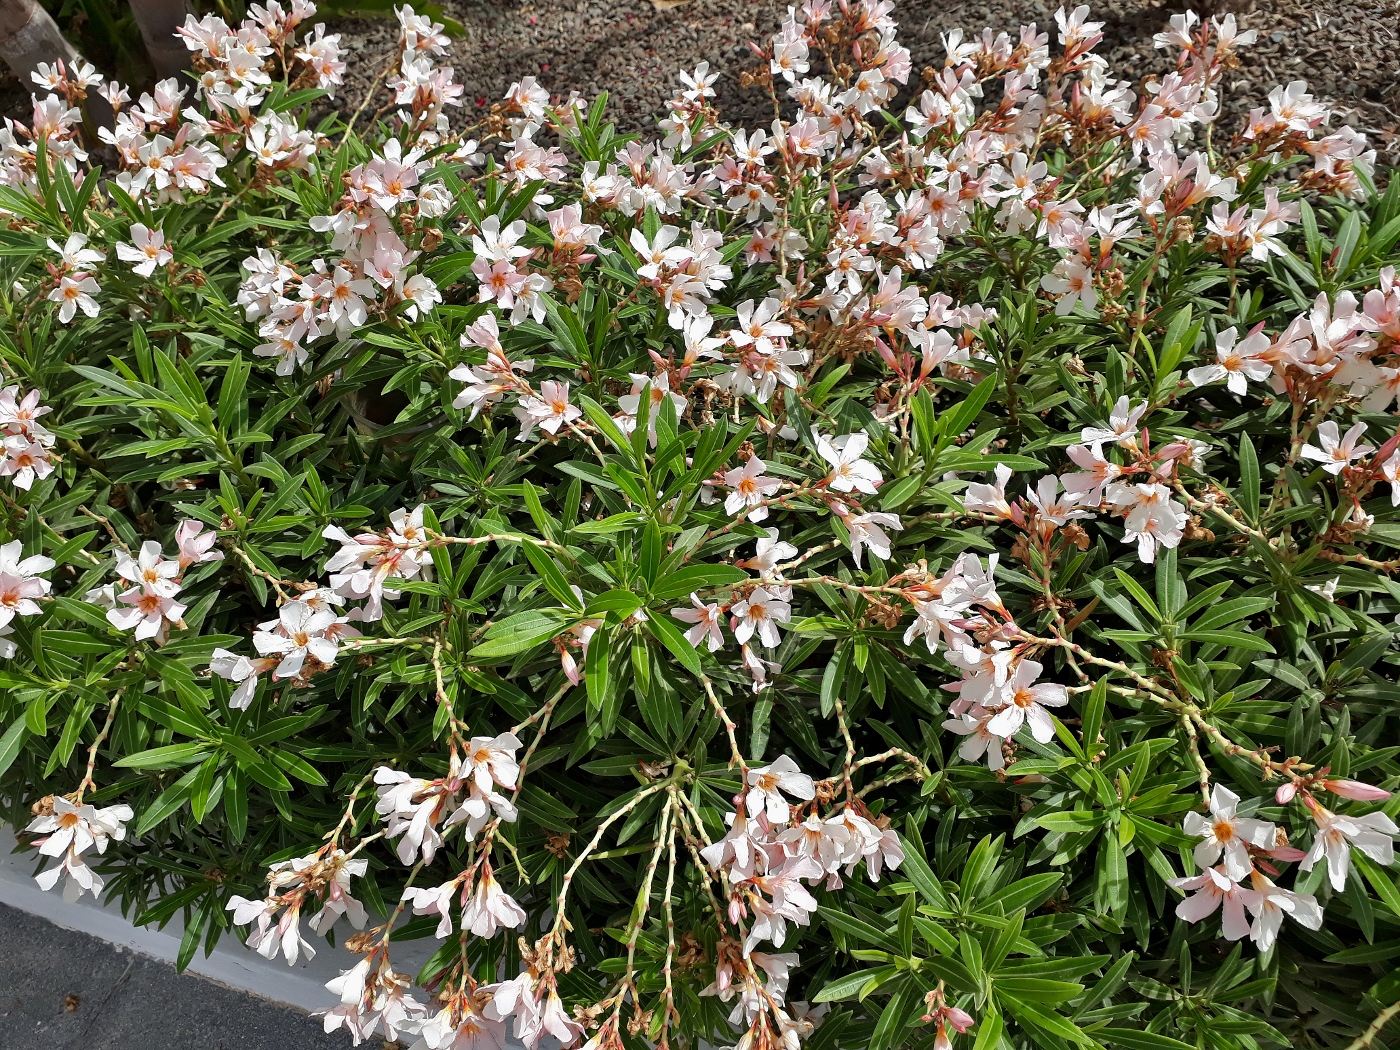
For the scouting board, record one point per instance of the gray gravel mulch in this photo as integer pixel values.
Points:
(63, 990)
(1347, 50)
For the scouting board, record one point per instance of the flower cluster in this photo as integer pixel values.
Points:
(276, 920)
(149, 604)
(417, 812)
(26, 443)
(66, 830)
(22, 585)
(552, 475)
(310, 626)
(1234, 849)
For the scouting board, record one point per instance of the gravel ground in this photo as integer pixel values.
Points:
(1347, 50)
(62, 990)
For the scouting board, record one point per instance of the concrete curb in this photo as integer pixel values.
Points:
(230, 964)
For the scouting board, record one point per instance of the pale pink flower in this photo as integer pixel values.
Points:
(1213, 891)
(759, 614)
(1336, 452)
(67, 832)
(147, 250)
(75, 293)
(749, 489)
(434, 900)
(769, 553)
(21, 585)
(1071, 282)
(990, 497)
(298, 633)
(75, 253)
(460, 1026)
(1223, 833)
(1355, 790)
(1390, 471)
(1053, 507)
(705, 623)
(978, 741)
(1122, 424)
(767, 786)
(242, 671)
(147, 612)
(490, 907)
(1337, 835)
(1236, 363)
(1026, 701)
(758, 327)
(411, 808)
(195, 545)
(489, 761)
(1270, 903)
(549, 410)
(849, 472)
(868, 531)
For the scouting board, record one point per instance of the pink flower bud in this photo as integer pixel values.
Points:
(959, 1019)
(886, 353)
(1285, 793)
(1355, 790)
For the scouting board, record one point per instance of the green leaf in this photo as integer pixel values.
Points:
(671, 636)
(520, 632)
(12, 743)
(957, 420)
(1249, 478)
(917, 871)
(1111, 889)
(1070, 821)
(165, 757)
(166, 803)
(1137, 1039)
(863, 932)
(1027, 893)
(550, 574)
(597, 675)
(1140, 595)
(203, 785)
(1092, 715)
(862, 983)
(990, 1029)
(899, 1012)
(1039, 1020)
(1380, 881)
(691, 578)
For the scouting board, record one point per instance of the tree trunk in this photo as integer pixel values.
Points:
(29, 36)
(158, 20)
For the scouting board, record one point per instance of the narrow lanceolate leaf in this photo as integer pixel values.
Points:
(692, 578)
(1016, 442)
(519, 632)
(675, 642)
(11, 743)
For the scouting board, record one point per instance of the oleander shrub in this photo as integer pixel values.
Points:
(921, 572)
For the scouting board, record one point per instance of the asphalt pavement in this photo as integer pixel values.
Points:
(64, 990)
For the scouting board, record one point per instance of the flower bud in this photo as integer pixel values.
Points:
(1356, 790)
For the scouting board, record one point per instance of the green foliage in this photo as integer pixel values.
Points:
(1258, 652)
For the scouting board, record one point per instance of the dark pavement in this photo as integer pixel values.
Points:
(62, 990)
